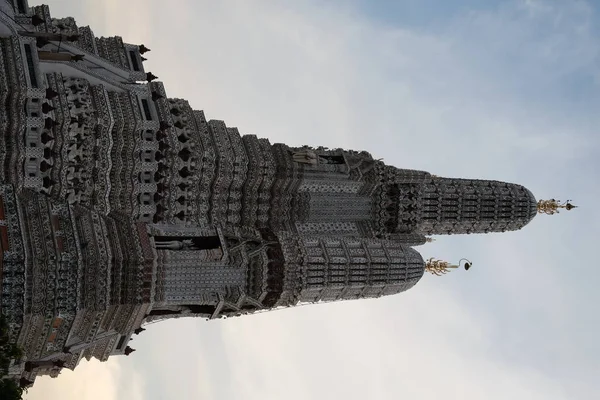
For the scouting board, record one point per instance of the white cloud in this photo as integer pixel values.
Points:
(420, 345)
(92, 381)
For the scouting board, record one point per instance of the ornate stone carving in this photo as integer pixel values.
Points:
(121, 206)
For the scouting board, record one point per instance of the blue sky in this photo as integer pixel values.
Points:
(505, 90)
(424, 15)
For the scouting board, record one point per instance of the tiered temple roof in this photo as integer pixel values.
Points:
(120, 206)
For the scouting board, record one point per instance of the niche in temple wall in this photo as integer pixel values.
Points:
(205, 307)
(180, 241)
(187, 243)
(33, 108)
(319, 159)
(347, 163)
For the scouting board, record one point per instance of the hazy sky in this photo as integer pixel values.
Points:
(506, 90)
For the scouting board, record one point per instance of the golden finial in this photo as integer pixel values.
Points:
(439, 267)
(551, 206)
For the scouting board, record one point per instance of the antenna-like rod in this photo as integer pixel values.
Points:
(552, 206)
(439, 267)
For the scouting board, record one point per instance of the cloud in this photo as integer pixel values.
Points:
(376, 349)
(187, 355)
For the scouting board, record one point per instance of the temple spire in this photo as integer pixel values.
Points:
(552, 206)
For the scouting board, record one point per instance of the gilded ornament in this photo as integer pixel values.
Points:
(552, 206)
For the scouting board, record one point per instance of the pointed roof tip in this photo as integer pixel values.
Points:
(553, 206)
(150, 76)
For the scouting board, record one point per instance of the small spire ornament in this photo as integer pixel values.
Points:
(439, 267)
(552, 206)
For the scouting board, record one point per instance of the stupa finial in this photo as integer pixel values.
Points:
(439, 267)
(552, 206)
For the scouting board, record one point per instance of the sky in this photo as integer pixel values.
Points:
(506, 90)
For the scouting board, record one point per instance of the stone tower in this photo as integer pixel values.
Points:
(121, 206)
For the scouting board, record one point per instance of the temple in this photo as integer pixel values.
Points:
(120, 206)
